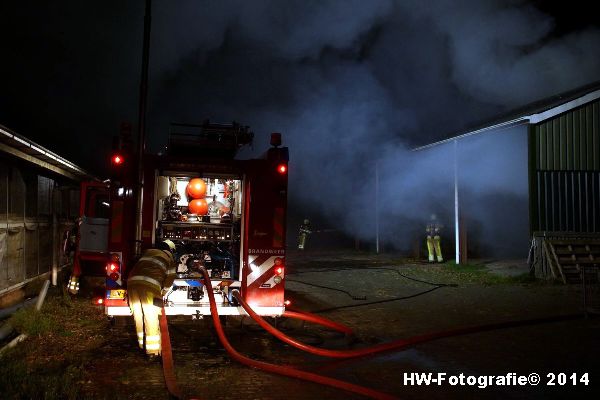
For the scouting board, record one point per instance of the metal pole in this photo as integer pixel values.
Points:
(24, 248)
(584, 288)
(456, 207)
(55, 244)
(142, 125)
(8, 189)
(42, 295)
(377, 207)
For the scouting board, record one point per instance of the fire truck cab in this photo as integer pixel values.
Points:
(223, 214)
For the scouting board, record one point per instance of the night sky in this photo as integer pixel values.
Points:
(342, 80)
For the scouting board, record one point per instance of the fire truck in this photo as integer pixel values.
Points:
(224, 214)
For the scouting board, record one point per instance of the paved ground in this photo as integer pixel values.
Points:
(205, 370)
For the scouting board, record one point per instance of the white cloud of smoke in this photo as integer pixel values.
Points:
(346, 82)
(349, 83)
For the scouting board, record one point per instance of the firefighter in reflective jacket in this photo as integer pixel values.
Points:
(153, 272)
(433, 230)
(303, 234)
(71, 246)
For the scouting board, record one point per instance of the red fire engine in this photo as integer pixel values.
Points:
(224, 214)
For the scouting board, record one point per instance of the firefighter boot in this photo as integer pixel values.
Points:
(430, 248)
(438, 248)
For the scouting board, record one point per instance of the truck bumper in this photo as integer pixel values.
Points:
(201, 309)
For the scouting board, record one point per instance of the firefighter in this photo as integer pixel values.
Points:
(433, 230)
(71, 246)
(153, 272)
(303, 234)
(70, 241)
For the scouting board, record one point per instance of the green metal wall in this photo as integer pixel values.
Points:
(565, 171)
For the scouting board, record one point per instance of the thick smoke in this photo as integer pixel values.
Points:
(354, 85)
(498, 52)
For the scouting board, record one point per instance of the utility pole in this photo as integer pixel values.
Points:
(377, 207)
(142, 126)
(456, 207)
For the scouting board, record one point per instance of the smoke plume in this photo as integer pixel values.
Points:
(354, 85)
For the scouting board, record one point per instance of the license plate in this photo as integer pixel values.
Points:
(116, 294)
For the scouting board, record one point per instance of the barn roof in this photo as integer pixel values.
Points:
(532, 113)
(27, 150)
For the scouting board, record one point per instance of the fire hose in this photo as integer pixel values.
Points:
(280, 369)
(396, 344)
(309, 317)
(167, 357)
(295, 373)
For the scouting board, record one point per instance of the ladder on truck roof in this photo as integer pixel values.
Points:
(208, 139)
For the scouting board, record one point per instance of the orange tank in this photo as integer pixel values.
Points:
(196, 188)
(198, 206)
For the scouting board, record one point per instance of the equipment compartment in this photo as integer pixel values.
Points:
(202, 216)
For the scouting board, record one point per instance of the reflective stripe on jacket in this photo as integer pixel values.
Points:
(155, 268)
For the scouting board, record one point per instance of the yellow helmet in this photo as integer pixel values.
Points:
(167, 245)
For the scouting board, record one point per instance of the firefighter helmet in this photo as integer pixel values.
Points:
(167, 245)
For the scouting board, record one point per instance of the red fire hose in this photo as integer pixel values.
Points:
(280, 369)
(317, 319)
(167, 357)
(396, 344)
(295, 373)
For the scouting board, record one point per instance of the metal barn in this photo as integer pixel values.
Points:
(529, 185)
(39, 201)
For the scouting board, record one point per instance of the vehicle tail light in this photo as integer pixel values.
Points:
(287, 303)
(278, 265)
(98, 301)
(278, 270)
(113, 267)
(282, 169)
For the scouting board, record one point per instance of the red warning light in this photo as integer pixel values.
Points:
(287, 302)
(282, 168)
(278, 270)
(98, 301)
(112, 267)
(117, 159)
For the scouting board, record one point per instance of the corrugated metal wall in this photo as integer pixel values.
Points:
(27, 202)
(565, 171)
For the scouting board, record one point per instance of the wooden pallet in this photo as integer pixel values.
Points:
(569, 257)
